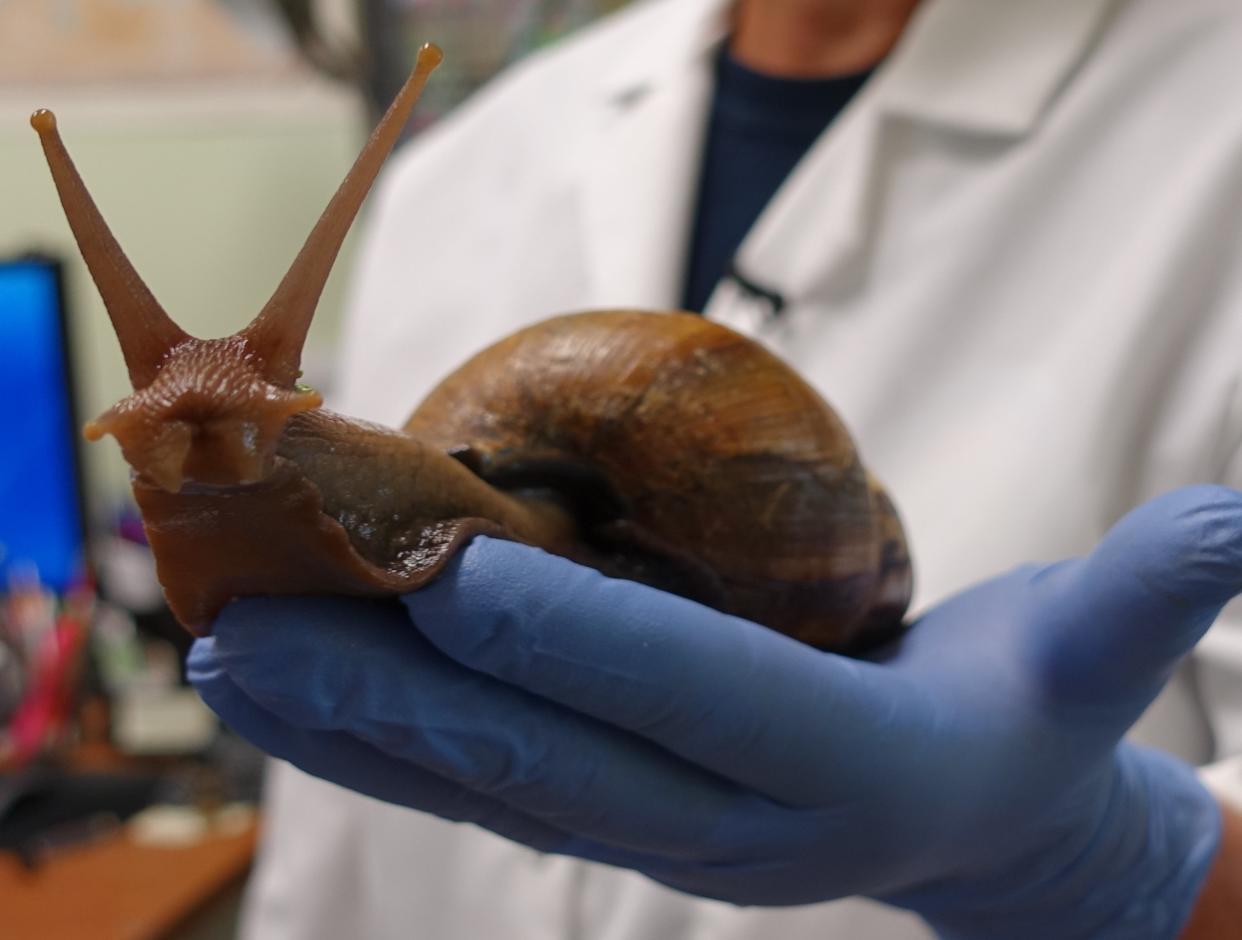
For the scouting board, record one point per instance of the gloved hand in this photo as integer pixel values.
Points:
(971, 773)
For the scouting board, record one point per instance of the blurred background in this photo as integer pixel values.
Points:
(211, 133)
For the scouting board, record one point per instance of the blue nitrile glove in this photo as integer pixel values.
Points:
(972, 773)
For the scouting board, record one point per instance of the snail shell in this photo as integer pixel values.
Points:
(693, 459)
(658, 447)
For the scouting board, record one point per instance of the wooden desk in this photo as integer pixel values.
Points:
(119, 890)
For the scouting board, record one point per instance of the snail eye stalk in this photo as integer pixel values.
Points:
(279, 332)
(144, 330)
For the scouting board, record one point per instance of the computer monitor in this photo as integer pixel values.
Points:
(41, 516)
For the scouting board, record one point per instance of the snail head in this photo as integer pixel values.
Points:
(210, 415)
(212, 411)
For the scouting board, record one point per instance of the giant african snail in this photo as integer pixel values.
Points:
(655, 446)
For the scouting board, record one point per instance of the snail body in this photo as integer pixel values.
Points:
(659, 447)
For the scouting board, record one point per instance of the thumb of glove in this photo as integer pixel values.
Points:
(1115, 624)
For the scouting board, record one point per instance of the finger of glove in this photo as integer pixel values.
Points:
(1110, 628)
(349, 762)
(346, 665)
(796, 724)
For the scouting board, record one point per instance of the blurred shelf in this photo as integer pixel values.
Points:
(95, 39)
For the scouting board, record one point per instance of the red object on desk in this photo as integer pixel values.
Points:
(48, 705)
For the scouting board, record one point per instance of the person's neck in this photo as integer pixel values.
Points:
(816, 38)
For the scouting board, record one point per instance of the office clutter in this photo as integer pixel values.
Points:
(125, 809)
(96, 722)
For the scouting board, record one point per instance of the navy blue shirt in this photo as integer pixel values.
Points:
(759, 127)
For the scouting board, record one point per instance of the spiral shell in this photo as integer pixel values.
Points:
(693, 459)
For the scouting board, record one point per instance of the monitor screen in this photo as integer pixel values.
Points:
(40, 509)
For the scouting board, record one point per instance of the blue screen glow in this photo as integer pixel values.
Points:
(40, 523)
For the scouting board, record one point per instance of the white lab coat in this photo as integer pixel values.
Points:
(1013, 264)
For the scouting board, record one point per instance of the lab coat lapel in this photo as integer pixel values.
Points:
(638, 179)
(808, 246)
(808, 236)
